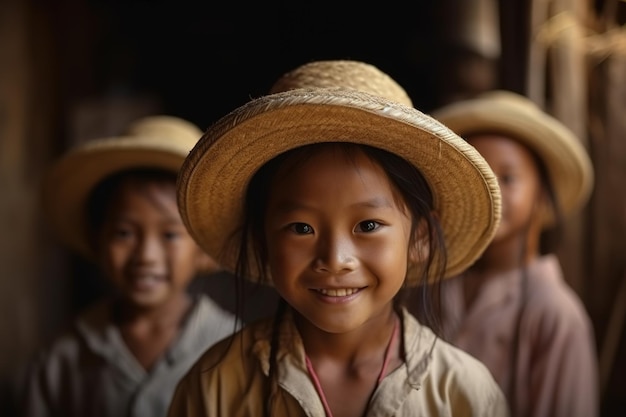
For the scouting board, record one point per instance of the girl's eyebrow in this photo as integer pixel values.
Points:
(172, 221)
(287, 206)
(168, 218)
(376, 202)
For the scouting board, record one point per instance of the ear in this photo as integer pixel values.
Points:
(419, 249)
(205, 264)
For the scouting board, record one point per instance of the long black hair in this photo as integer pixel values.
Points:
(411, 186)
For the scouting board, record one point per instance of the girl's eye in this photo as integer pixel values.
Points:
(122, 233)
(367, 226)
(507, 178)
(171, 235)
(301, 228)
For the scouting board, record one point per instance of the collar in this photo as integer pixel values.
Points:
(292, 375)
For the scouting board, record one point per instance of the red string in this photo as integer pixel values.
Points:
(392, 343)
(383, 370)
(318, 386)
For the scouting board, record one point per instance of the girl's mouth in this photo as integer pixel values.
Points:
(337, 292)
(146, 282)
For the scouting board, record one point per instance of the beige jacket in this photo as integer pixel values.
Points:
(437, 379)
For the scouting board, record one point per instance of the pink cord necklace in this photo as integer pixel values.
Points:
(383, 369)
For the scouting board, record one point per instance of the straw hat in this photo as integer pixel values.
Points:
(567, 162)
(151, 142)
(354, 75)
(213, 179)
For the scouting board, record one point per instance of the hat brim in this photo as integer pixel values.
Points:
(500, 112)
(213, 179)
(71, 180)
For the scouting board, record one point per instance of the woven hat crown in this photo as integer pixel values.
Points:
(566, 160)
(352, 75)
(174, 128)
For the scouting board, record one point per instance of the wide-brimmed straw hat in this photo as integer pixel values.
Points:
(349, 74)
(151, 142)
(503, 112)
(213, 180)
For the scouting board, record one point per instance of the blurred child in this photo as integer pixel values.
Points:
(114, 201)
(513, 309)
(339, 199)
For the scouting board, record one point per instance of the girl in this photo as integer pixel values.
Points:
(512, 309)
(339, 199)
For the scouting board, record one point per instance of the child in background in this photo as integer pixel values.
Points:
(512, 309)
(338, 199)
(114, 201)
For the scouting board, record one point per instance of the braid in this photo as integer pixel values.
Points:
(272, 386)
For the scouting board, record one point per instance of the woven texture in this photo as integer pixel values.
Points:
(214, 177)
(353, 75)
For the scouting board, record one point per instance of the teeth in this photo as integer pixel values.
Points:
(148, 278)
(341, 292)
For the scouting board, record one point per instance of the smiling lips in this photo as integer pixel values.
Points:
(146, 281)
(338, 292)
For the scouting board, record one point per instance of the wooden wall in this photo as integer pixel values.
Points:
(28, 304)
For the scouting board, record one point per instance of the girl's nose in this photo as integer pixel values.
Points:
(148, 249)
(335, 255)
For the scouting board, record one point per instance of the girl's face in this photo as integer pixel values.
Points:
(145, 249)
(338, 239)
(519, 180)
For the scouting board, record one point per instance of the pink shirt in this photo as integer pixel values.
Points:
(556, 371)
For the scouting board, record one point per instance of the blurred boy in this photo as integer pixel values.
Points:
(114, 201)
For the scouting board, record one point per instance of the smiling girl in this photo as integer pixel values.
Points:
(338, 199)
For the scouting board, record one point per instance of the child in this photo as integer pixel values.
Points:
(339, 199)
(512, 309)
(114, 201)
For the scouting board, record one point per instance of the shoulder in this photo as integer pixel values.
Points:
(85, 339)
(448, 374)
(232, 356)
(207, 307)
(448, 361)
(552, 303)
(209, 321)
(57, 362)
(427, 353)
(227, 373)
(465, 381)
(71, 343)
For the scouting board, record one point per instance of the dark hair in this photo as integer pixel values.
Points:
(551, 236)
(103, 194)
(407, 179)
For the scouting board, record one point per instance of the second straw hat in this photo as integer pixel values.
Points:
(503, 112)
(151, 142)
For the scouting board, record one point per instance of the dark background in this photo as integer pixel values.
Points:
(203, 59)
(88, 67)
